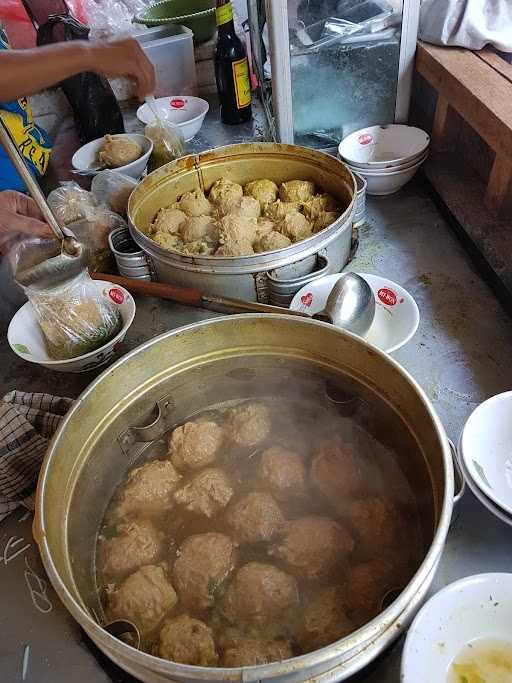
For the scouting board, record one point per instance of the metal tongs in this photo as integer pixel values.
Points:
(44, 267)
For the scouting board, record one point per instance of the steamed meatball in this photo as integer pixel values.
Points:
(313, 547)
(195, 444)
(135, 544)
(169, 221)
(202, 247)
(248, 208)
(194, 203)
(148, 490)
(204, 562)
(272, 242)
(234, 247)
(241, 649)
(337, 474)
(168, 241)
(368, 584)
(185, 640)
(197, 228)
(118, 151)
(264, 227)
(377, 524)
(295, 226)
(249, 424)
(265, 191)
(324, 219)
(296, 191)
(324, 619)
(208, 493)
(143, 598)
(318, 204)
(226, 195)
(256, 517)
(278, 209)
(259, 594)
(283, 472)
(237, 228)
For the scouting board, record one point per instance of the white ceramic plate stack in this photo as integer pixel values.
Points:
(387, 157)
(485, 455)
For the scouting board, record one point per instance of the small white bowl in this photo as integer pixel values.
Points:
(396, 313)
(184, 111)
(387, 182)
(26, 338)
(381, 146)
(87, 156)
(486, 449)
(472, 609)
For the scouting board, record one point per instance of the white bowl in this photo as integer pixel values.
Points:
(26, 338)
(184, 111)
(87, 156)
(386, 182)
(475, 608)
(382, 146)
(486, 449)
(396, 313)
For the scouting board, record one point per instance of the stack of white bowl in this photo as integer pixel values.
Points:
(485, 455)
(387, 157)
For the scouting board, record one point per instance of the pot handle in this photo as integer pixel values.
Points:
(460, 482)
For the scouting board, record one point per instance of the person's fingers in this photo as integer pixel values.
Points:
(12, 223)
(26, 206)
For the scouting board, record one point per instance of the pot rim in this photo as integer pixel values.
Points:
(364, 635)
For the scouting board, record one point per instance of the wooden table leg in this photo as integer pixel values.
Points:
(499, 182)
(446, 125)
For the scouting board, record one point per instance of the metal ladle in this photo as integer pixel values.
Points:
(350, 305)
(57, 267)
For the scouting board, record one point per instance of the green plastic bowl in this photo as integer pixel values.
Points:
(201, 21)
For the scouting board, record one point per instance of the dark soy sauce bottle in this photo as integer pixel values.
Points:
(231, 69)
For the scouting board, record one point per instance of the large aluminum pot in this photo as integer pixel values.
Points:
(245, 277)
(186, 371)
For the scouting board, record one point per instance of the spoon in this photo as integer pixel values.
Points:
(350, 305)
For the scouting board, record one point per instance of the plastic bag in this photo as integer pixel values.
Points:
(108, 18)
(113, 189)
(168, 142)
(93, 231)
(94, 105)
(74, 317)
(70, 203)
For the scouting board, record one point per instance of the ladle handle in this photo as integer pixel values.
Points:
(15, 156)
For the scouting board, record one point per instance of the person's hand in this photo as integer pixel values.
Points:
(123, 57)
(19, 216)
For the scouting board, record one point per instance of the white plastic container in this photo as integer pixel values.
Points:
(171, 51)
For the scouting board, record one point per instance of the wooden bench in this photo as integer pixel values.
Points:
(476, 86)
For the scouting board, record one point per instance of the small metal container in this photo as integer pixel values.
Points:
(130, 259)
(359, 216)
(284, 283)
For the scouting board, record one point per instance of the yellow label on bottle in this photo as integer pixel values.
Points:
(224, 13)
(242, 82)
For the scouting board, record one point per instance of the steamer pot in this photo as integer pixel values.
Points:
(245, 277)
(183, 372)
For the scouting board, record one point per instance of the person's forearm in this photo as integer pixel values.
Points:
(25, 72)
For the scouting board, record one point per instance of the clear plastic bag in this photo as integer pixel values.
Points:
(113, 189)
(70, 203)
(74, 317)
(93, 231)
(168, 142)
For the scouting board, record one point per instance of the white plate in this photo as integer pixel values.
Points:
(26, 338)
(382, 146)
(468, 610)
(385, 183)
(486, 449)
(396, 313)
(184, 111)
(388, 170)
(480, 495)
(87, 156)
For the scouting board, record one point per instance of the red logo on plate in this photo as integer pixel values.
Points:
(365, 139)
(178, 103)
(307, 299)
(116, 295)
(387, 296)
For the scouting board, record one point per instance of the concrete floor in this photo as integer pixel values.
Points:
(460, 355)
